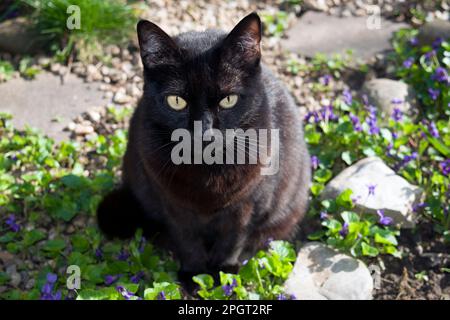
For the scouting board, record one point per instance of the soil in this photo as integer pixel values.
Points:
(424, 251)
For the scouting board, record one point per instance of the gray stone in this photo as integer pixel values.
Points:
(382, 93)
(39, 102)
(16, 37)
(318, 32)
(430, 31)
(14, 276)
(322, 273)
(393, 194)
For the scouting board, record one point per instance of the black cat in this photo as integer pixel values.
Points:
(211, 216)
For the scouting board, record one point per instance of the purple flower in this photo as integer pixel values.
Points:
(371, 188)
(434, 93)
(348, 98)
(123, 256)
(99, 253)
(328, 113)
(417, 207)
(440, 75)
(323, 215)
(408, 63)
(110, 279)
(429, 55)
(397, 101)
(281, 297)
(325, 80)
(356, 199)
(437, 43)
(365, 100)
(47, 288)
(11, 222)
(315, 162)
(414, 41)
(397, 115)
(373, 127)
(125, 293)
(228, 288)
(51, 277)
(445, 167)
(389, 148)
(312, 114)
(344, 231)
(244, 262)
(433, 129)
(356, 123)
(137, 277)
(162, 296)
(383, 220)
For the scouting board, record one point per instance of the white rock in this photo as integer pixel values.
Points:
(322, 273)
(121, 97)
(82, 130)
(393, 194)
(94, 115)
(382, 93)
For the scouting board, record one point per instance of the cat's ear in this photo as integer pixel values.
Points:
(243, 42)
(157, 47)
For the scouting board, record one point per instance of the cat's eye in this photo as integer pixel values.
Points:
(176, 102)
(229, 101)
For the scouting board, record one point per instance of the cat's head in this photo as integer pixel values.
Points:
(210, 76)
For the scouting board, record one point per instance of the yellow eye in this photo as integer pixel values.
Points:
(176, 102)
(229, 101)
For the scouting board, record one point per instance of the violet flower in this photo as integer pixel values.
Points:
(47, 288)
(126, 294)
(433, 129)
(356, 123)
(440, 75)
(315, 162)
(323, 215)
(383, 220)
(162, 296)
(413, 41)
(325, 80)
(397, 115)
(434, 93)
(419, 206)
(99, 253)
(408, 63)
(123, 256)
(12, 224)
(281, 297)
(437, 43)
(348, 98)
(110, 279)
(445, 167)
(344, 231)
(137, 277)
(371, 188)
(228, 288)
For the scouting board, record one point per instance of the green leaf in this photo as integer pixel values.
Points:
(32, 237)
(56, 245)
(344, 199)
(205, 281)
(368, 250)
